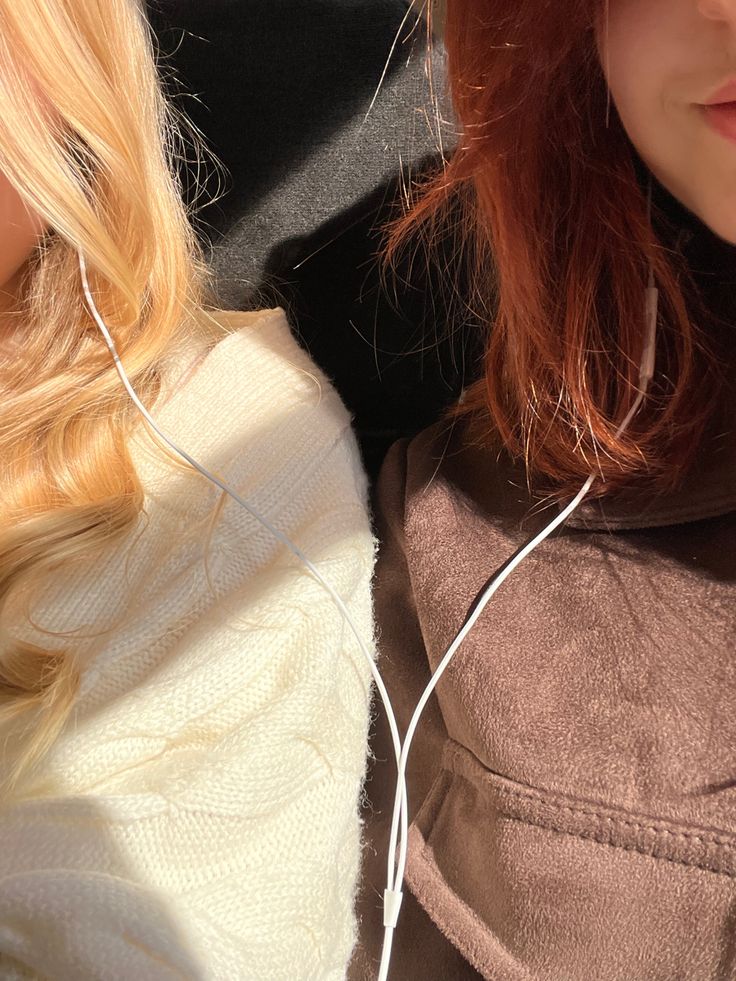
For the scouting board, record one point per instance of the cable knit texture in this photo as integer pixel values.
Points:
(198, 818)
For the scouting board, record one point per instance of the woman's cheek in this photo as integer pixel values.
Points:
(20, 229)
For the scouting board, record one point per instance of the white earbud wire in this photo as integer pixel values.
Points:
(399, 822)
(277, 533)
(393, 893)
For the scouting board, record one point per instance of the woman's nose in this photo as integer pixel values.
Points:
(724, 10)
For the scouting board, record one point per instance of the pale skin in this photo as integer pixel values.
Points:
(20, 229)
(663, 59)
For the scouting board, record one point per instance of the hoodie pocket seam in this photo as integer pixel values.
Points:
(709, 849)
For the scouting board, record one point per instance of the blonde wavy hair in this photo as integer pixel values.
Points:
(89, 141)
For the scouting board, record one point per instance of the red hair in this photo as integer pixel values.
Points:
(562, 244)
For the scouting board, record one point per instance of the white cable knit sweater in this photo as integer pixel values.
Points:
(198, 818)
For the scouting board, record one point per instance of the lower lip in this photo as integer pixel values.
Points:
(722, 119)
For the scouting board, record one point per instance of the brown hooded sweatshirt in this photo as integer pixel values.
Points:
(572, 785)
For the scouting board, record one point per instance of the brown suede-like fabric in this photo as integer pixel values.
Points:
(572, 784)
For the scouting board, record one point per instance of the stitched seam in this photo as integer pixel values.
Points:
(716, 840)
(713, 840)
(628, 848)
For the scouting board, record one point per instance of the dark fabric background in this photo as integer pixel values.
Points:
(281, 89)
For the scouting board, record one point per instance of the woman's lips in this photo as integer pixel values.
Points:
(722, 118)
(726, 93)
(720, 110)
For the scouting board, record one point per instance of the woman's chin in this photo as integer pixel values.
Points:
(723, 225)
(717, 215)
(711, 198)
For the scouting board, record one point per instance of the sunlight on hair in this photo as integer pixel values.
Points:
(90, 143)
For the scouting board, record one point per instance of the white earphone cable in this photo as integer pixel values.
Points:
(277, 534)
(393, 893)
(399, 821)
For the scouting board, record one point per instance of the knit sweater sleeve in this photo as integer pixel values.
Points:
(198, 817)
